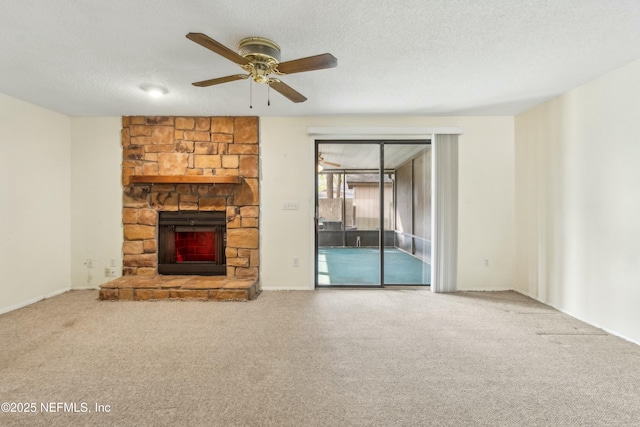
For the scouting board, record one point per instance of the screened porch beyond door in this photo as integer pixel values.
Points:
(352, 266)
(373, 213)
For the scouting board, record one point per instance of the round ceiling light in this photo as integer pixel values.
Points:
(154, 91)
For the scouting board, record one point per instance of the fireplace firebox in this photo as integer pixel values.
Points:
(192, 242)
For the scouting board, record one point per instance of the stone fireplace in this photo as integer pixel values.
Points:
(190, 165)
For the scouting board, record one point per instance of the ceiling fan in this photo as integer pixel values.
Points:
(260, 58)
(322, 161)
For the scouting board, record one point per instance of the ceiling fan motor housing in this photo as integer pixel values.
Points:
(259, 47)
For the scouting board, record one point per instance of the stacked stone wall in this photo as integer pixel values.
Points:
(186, 146)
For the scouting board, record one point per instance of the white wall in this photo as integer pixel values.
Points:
(578, 202)
(35, 203)
(486, 197)
(75, 171)
(96, 199)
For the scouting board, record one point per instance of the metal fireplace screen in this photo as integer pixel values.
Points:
(192, 243)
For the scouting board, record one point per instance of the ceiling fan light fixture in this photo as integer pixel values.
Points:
(263, 56)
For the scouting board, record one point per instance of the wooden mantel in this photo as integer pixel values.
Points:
(183, 179)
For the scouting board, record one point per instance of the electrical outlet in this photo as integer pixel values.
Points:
(291, 205)
(88, 262)
(107, 272)
(486, 263)
(296, 262)
(112, 272)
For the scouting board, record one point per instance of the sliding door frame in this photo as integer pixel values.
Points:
(444, 185)
(381, 171)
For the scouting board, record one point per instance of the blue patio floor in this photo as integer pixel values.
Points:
(360, 266)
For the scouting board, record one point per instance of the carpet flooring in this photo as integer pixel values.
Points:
(331, 357)
(360, 266)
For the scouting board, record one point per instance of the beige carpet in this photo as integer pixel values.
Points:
(393, 357)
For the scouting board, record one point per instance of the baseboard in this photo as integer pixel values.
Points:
(609, 331)
(588, 322)
(595, 325)
(526, 294)
(33, 300)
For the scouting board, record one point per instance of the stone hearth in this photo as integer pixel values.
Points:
(142, 288)
(188, 164)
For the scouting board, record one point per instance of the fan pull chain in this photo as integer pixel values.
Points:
(250, 93)
(268, 95)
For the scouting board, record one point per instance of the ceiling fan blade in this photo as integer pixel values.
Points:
(211, 44)
(219, 80)
(318, 62)
(330, 163)
(287, 91)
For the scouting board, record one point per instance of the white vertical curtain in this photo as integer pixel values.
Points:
(444, 248)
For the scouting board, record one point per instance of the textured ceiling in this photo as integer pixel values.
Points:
(410, 57)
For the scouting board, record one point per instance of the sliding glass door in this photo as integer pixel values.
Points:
(407, 261)
(373, 213)
(347, 216)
